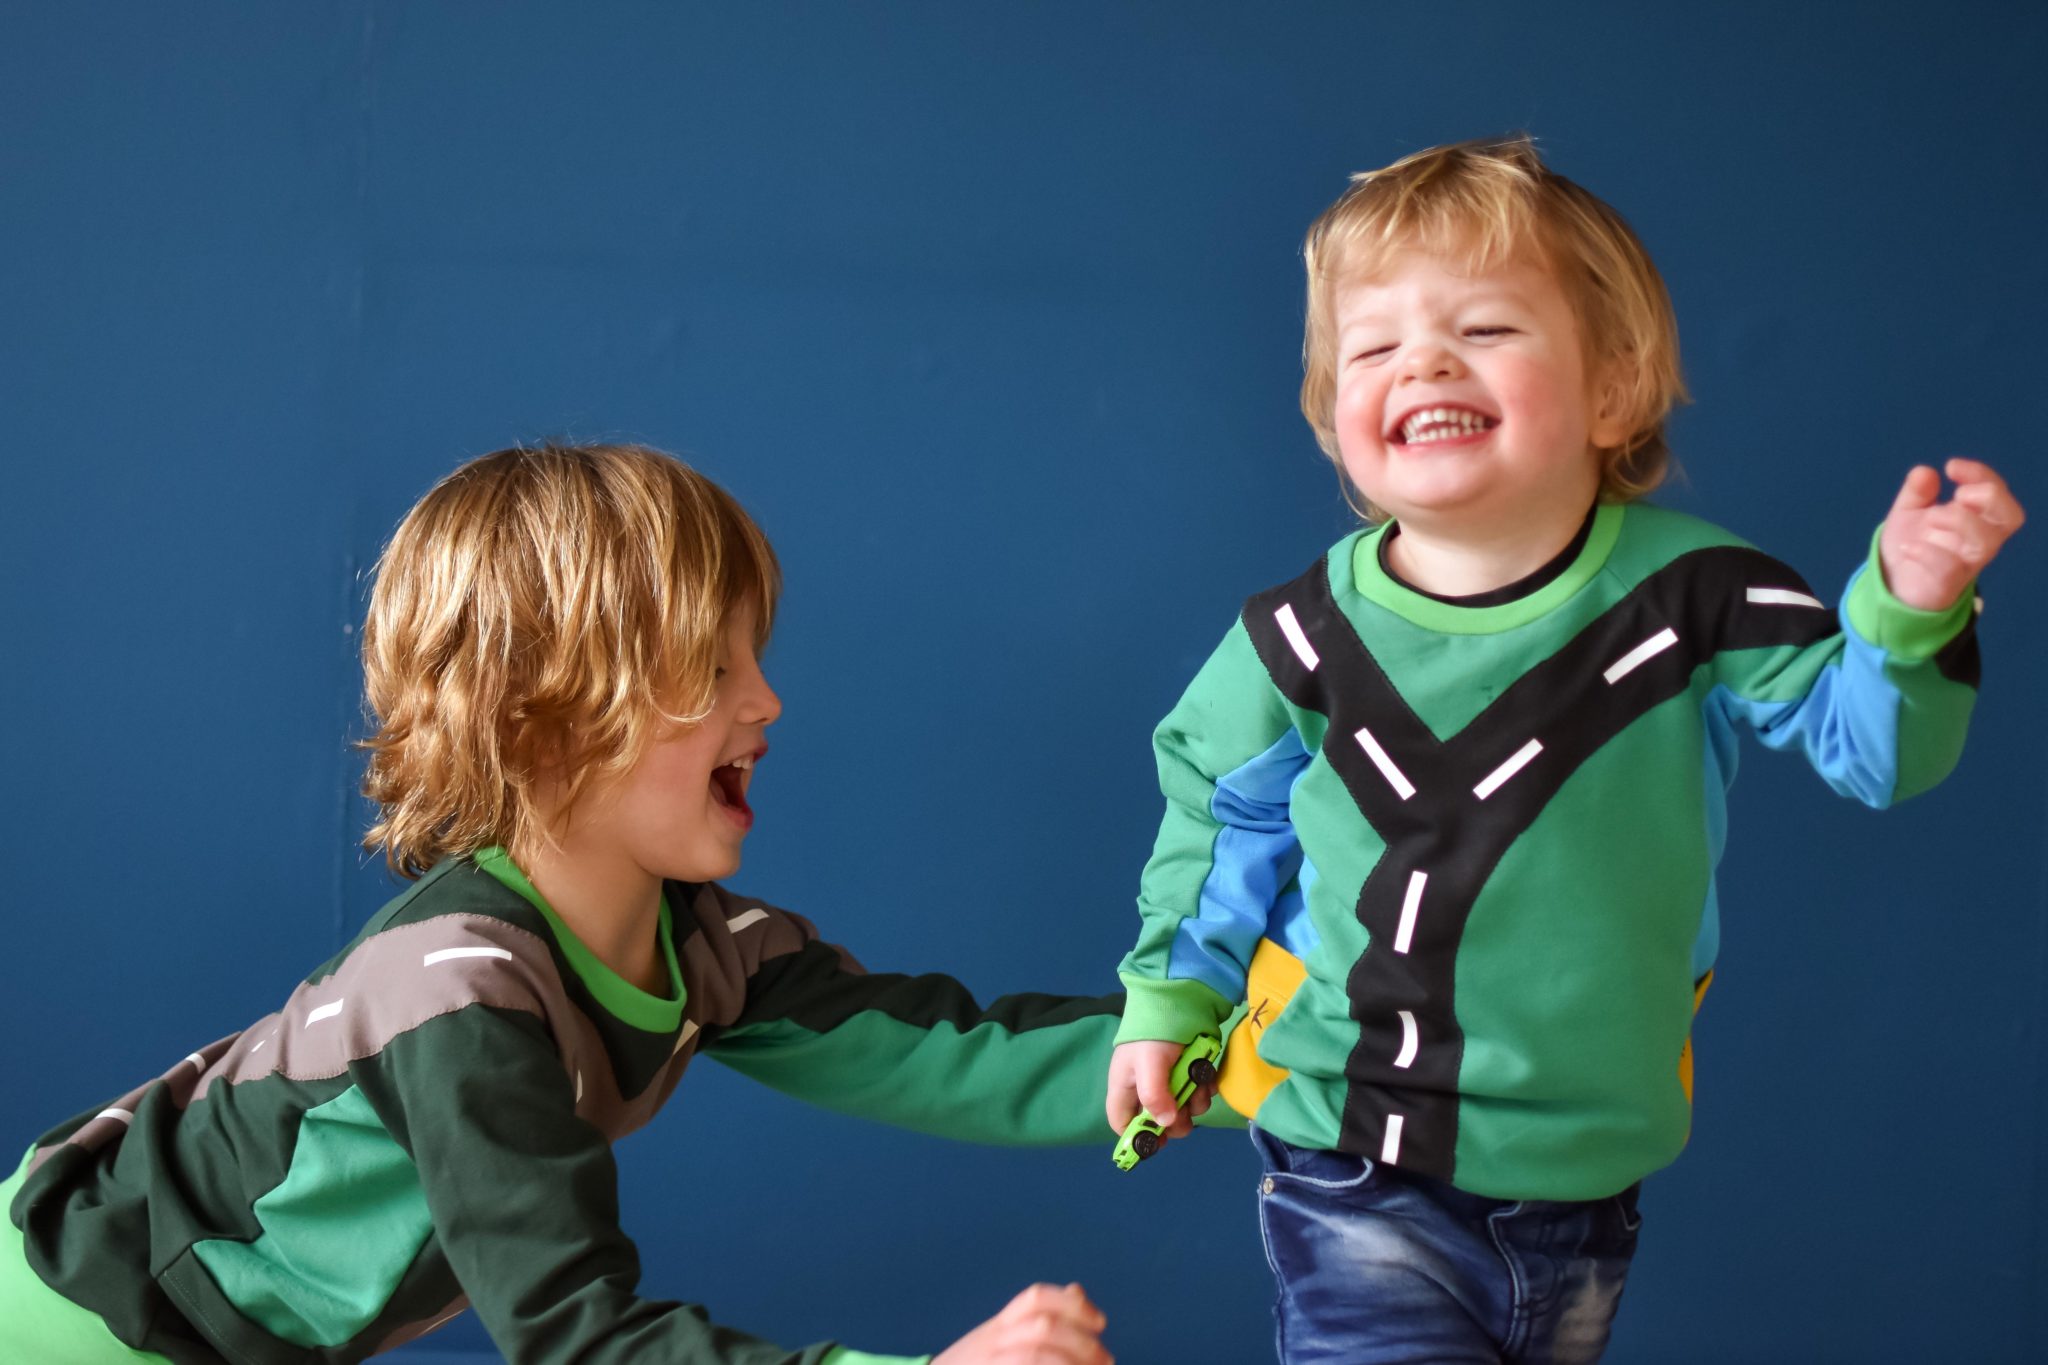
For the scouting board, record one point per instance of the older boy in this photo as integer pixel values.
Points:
(1443, 813)
(562, 659)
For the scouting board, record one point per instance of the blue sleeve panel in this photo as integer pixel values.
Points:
(1254, 865)
(1847, 724)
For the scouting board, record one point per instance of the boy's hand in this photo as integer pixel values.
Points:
(1141, 1074)
(1930, 550)
(1044, 1325)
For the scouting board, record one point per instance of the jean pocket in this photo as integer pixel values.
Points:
(1310, 1167)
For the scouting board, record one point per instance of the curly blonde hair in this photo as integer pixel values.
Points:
(1484, 204)
(541, 615)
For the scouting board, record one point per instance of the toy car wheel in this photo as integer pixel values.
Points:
(1145, 1144)
(1202, 1072)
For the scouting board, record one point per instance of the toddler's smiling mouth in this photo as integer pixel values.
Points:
(1438, 424)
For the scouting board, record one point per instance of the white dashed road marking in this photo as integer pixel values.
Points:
(1649, 648)
(1401, 785)
(1411, 1039)
(450, 954)
(1291, 628)
(1390, 1148)
(1500, 775)
(1410, 904)
(1783, 597)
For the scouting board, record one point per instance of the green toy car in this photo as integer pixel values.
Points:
(1196, 1068)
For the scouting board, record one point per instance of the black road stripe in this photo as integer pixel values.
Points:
(1456, 838)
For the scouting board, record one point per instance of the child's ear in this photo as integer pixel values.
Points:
(1611, 417)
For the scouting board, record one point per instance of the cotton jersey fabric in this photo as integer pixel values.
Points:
(1444, 874)
(425, 1126)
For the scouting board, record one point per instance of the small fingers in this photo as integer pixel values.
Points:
(1155, 1091)
(1050, 1341)
(1055, 1302)
(1921, 487)
(1126, 1064)
(1953, 526)
(1198, 1104)
(1046, 1325)
(1993, 504)
(1964, 471)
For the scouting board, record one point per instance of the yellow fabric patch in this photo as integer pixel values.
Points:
(1247, 1078)
(1699, 994)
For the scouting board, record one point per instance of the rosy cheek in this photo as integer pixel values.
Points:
(1357, 412)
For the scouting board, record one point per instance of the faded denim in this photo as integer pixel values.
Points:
(1376, 1265)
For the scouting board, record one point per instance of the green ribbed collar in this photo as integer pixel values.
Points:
(644, 1011)
(1373, 583)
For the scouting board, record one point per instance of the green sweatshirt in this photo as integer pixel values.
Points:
(1452, 865)
(426, 1125)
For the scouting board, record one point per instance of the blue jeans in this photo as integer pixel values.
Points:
(1377, 1265)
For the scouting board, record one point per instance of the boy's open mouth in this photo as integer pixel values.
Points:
(1431, 425)
(729, 785)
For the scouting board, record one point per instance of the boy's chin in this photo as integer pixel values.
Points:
(718, 868)
(700, 866)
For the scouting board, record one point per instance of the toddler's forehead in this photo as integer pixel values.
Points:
(1477, 264)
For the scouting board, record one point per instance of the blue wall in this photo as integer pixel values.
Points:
(991, 315)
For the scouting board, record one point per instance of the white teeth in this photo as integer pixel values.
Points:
(1441, 424)
(744, 763)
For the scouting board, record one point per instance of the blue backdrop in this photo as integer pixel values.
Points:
(991, 315)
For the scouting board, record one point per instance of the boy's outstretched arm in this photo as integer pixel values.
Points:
(917, 1052)
(1931, 550)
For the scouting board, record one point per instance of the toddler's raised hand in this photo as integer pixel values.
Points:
(1931, 550)
(1141, 1074)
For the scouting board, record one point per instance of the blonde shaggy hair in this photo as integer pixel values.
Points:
(1485, 204)
(543, 615)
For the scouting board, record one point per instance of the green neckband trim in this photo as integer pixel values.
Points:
(643, 1010)
(1375, 585)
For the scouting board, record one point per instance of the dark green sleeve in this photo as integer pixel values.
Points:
(524, 1200)
(919, 1052)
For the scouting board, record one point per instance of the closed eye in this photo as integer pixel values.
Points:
(1489, 331)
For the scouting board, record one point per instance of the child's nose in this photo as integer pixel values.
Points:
(1431, 360)
(764, 707)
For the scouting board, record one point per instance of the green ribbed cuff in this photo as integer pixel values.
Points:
(1899, 630)
(846, 1355)
(1169, 1011)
